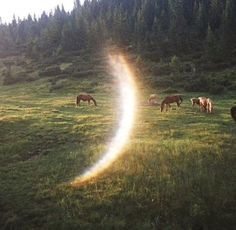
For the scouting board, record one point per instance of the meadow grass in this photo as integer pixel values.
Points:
(177, 172)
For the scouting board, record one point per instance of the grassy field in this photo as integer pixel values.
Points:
(177, 172)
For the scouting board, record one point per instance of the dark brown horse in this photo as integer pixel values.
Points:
(85, 97)
(233, 112)
(171, 99)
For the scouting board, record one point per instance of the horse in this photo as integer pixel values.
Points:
(202, 103)
(85, 97)
(209, 105)
(171, 99)
(152, 100)
(233, 112)
(195, 101)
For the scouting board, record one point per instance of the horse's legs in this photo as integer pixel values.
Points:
(89, 101)
(167, 106)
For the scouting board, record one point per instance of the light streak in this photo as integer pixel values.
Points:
(122, 72)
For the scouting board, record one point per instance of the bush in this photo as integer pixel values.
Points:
(162, 82)
(192, 87)
(84, 73)
(57, 85)
(62, 76)
(175, 63)
(232, 87)
(50, 71)
(9, 79)
(170, 90)
(196, 85)
(160, 69)
(216, 89)
(68, 70)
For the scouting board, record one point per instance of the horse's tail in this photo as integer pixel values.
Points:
(162, 105)
(94, 101)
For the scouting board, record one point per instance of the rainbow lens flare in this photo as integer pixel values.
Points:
(120, 70)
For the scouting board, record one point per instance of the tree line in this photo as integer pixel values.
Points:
(153, 28)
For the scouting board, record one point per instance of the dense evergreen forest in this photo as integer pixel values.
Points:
(155, 29)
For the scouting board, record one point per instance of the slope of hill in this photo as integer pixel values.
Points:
(177, 171)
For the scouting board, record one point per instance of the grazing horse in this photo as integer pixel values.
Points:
(202, 103)
(171, 99)
(209, 105)
(152, 99)
(233, 112)
(195, 101)
(85, 97)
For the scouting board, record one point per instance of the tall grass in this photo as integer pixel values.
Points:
(178, 171)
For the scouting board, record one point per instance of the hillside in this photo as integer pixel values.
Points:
(177, 171)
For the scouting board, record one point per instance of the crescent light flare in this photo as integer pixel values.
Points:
(122, 72)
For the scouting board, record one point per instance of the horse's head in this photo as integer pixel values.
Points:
(193, 101)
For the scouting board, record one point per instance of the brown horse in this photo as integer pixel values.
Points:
(85, 97)
(171, 99)
(202, 103)
(233, 112)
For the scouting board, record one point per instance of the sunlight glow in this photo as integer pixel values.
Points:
(128, 101)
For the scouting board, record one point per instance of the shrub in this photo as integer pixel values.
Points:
(232, 87)
(68, 70)
(175, 63)
(160, 69)
(57, 85)
(84, 73)
(216, 89)
(10, 79)
(50, 71)
(170, 90)
(196, 86)
(162, 82)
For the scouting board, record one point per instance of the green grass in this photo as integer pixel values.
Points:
(177, 172)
